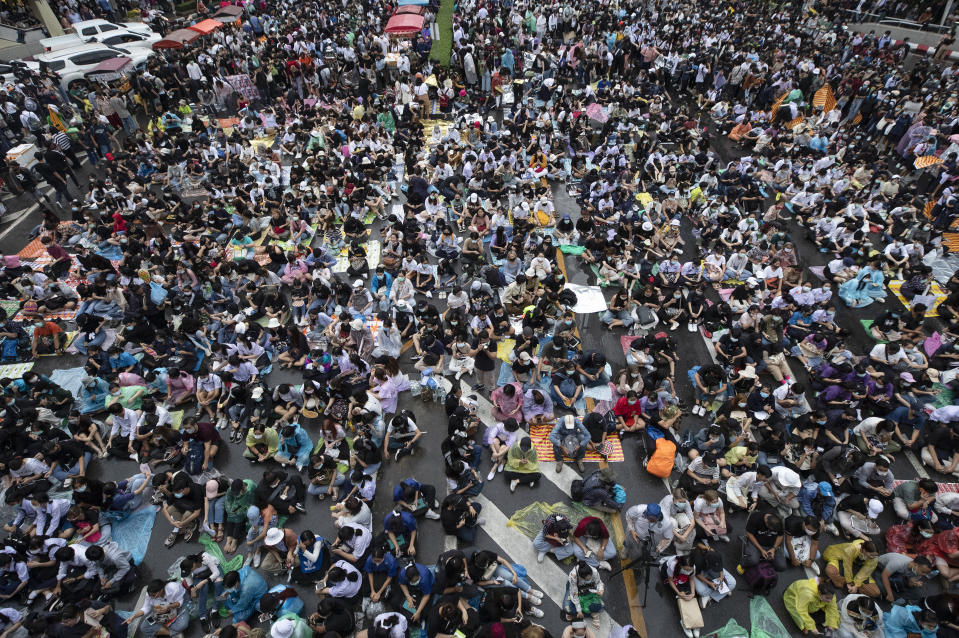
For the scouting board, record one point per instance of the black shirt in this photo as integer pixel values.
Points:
(764, 536)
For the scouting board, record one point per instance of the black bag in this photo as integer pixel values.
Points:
(576, 490)
(761, 578)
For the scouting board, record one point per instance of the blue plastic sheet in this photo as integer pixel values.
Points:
(132, 530)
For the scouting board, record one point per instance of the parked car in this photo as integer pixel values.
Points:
(89, 31)
(71, 64)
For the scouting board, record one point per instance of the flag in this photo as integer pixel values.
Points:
(55, 119)
(927, 209)
(824, 98)
(927, 160)
(776, 105)
(857, 119)
(796, 122)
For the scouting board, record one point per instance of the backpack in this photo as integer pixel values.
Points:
(761, 578)
(660, 463)
(193, 462)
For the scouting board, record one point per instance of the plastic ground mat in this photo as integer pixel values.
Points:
(15, 370)
(539, 434)
(934, 291)
(132, 532)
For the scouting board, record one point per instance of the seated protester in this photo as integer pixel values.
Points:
(851, 566)
(416, 498)
(941, 451)
(184, 510)
(857, 514)
(352, 542)
(591, 543)
(764, 540)
(166, 609)
(400, 528)
(650, 532)
(902, 576)
(600, 491)
(200, 438)
(279, 550)
(570, 439)
(806, 597)
(702, 474)
(451, 614)
(460, 517)
(875, 479)
(713, 582)
(343, 581)
(414, 591)
(802, 541)
(859, 614)
(332, 616)
(629, 413)
(244, 588)
(380, 570)
(915, 500)
(911, 620)
(817, 500)
(584, 594)
(283, 491)
(402, 435)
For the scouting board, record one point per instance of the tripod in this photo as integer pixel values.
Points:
(644, 562)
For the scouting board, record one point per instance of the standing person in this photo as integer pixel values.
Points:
(57, 160)
(29, 185)
(122, 109)
(63, 142)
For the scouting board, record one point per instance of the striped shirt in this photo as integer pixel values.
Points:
(62, 140)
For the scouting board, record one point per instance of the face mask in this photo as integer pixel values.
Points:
(257, 436)
(682, 506)
(179, 495)
(882, 474)
(742, 405)
(764, 395)
(686, 572)
(631, 401)
(926, 533)
(80, 489)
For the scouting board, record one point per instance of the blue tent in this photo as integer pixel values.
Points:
(419, 3)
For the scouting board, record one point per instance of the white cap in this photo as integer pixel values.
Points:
(875, 508)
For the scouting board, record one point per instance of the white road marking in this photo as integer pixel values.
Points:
(16, 222)
(546, 576)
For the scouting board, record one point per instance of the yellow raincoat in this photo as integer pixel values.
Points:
(843, 557)
(802, 599)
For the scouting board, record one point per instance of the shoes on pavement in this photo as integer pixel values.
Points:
(604, 565)
(491, 475)
(703, 601)
(559, 466)
(535, 612)
(433, 516)
(513, 484)
(540, 557)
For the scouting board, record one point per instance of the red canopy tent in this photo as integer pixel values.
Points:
(206, 27)
(410, 8)
(112, 69)
(404, 24)
(176, 39)
(227, 13)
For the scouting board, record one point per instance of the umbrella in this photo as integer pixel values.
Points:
(176, 39)
(595, 112)
(206, 26)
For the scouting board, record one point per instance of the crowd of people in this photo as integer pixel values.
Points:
(374, 224)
